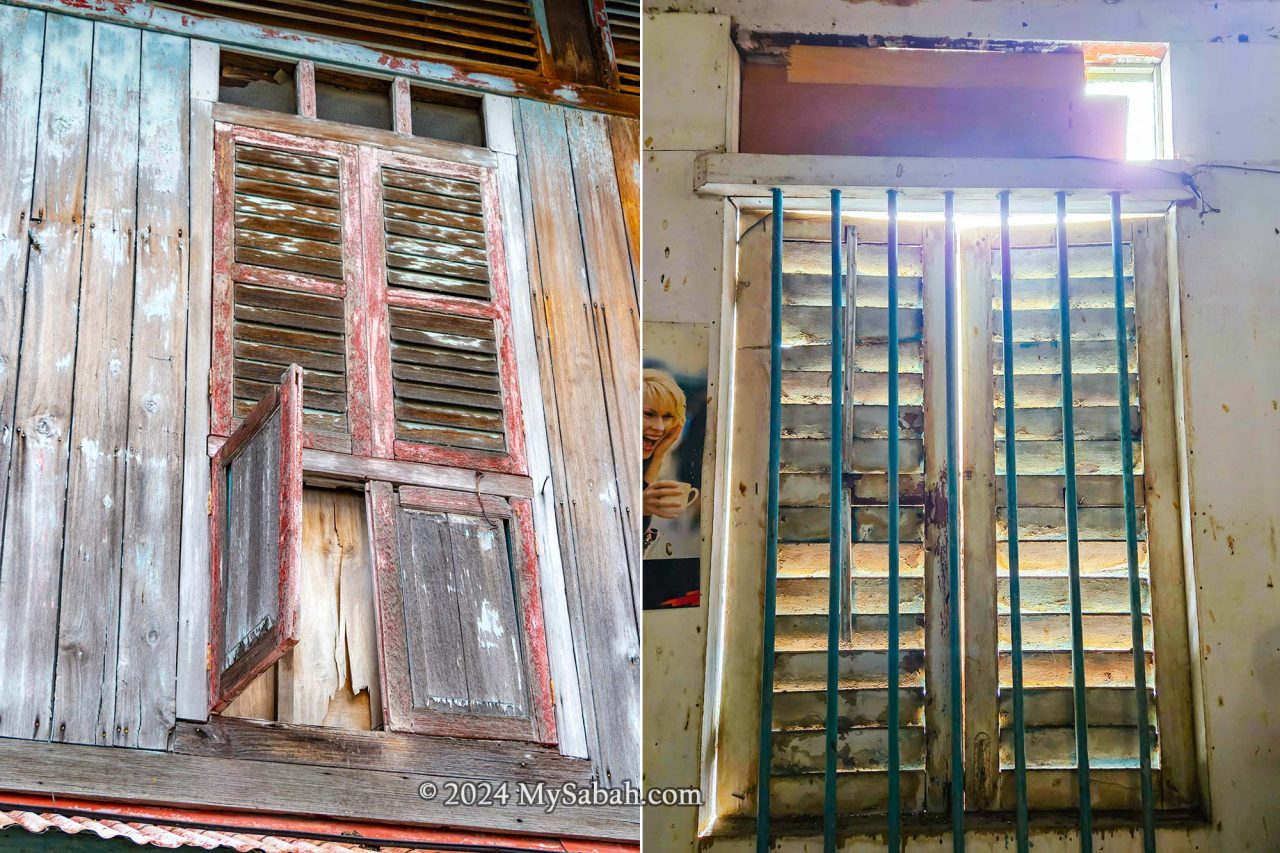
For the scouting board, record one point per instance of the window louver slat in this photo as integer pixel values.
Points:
(624, 30)
(445, 382)
(435, 241)
(492, 32)
(1108, 643)
(804, 532)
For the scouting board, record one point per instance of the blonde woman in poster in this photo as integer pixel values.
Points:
(665, 414)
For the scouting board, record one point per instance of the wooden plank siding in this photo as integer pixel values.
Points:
(585, 327)
(106, 133)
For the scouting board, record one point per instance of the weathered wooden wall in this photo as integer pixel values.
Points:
(96, 278)
(582, 269)
(93, 294)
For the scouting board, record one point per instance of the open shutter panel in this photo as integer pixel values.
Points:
(1046, 631)
(450, 366)
(804, 527)
(256, 541)
(286, 258)
(464, 653)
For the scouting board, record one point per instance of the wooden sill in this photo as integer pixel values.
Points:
(320, 746)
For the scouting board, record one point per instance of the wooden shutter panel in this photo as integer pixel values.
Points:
(1111, 704)
(286, 260)
(256, 541)
(624, 32)
(804, 526)
(440, 313)
(463, 647)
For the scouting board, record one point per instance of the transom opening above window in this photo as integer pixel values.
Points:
(302, 88)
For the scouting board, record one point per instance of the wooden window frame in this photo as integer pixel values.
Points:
(730, 761)
(398, 712)
(374, 456)
(227, 683)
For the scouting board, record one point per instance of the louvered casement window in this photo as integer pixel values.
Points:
(380, 274)
(796, 764)
(383, 275)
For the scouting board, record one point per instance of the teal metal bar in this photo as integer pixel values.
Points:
(1073, 534)
(1131, 532)
(1011, 491)
(951, 300)
(771, 533)
(895, 760)
(834, 534)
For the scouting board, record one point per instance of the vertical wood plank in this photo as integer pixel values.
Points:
(624, 133)
(193, 592)
(146, 697)
(978, 512)
(21, 51)
(937, 593)
(1160, 479)
(304, 77)
(84, 691)
(499, 124)
(601, 563)
(559, 637)
(393, 660)
(35, 507)
(617, 315)
(401, 108)
(490, 629)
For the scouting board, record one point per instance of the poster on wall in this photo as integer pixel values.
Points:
(675, 427)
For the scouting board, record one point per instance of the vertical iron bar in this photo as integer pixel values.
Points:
(1131, 532)
(1073, 535)
(771, 534)
(1011, 492)
(895, 770)
(953, 525)
(833, 534)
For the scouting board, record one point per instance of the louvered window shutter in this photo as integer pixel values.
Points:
(1042, 546)
(624, 33)
(286, 275)
(256, 541)
(443, 357)
(463, 644)
(804, 526)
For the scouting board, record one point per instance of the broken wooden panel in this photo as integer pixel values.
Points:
(623, 17)
(256, 542)
(34, 510)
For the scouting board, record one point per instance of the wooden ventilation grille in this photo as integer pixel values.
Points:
(435, 237)
(288, 220)
(275, 328)
(1046, 631)
(493, 32)
(444, 371)
(624, 29)
(287, 212)
(804, 528)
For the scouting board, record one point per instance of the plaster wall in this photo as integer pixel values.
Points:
(1224, 59)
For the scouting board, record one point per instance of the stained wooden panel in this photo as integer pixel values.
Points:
(624, 31)
(445, 380)
(465, 653)
(435, 234)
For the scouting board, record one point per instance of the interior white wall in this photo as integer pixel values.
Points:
(1225, 59)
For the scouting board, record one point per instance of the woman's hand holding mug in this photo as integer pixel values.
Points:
(668, 498)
